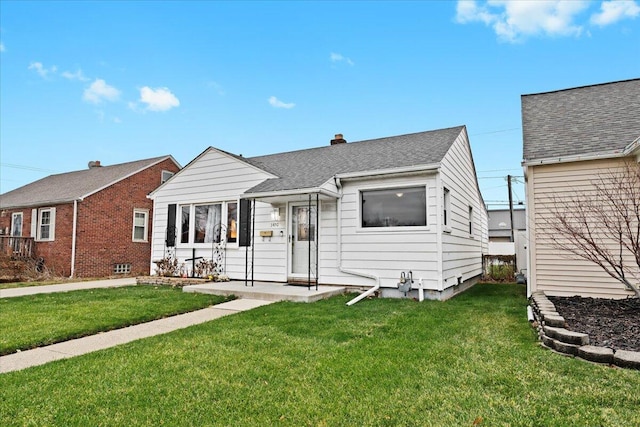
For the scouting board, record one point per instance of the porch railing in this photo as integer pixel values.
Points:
(21, 247)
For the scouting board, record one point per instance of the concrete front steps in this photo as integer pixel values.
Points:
(554, 335)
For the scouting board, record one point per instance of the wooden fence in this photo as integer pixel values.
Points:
(17, 247)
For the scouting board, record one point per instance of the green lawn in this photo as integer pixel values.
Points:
(380, 362)
(36, 320)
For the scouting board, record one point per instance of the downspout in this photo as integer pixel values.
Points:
(73, 237)
(339, 254)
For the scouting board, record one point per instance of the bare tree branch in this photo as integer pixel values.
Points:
(601, 224)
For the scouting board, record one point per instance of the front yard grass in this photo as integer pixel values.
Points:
(42, 319)
(381, 362)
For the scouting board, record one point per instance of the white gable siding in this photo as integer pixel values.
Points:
(381, 252)
(462, 252)
(218, 177)
(551, 270)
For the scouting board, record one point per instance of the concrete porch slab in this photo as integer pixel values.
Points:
(267, 291)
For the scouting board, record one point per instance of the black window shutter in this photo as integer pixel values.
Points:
(171, 226)
(245, 223)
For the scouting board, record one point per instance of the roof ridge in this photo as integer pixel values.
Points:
(580, 87)
(324, 147)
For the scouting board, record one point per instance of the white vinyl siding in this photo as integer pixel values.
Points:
(384, 252)
(551, 270)
(218, 178)
(461, 251)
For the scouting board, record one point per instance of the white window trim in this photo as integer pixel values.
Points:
(192, 211)
(446, 210)
(52, 225)
(146, 225)
(471, 229)
(396, 229)
(168, 175)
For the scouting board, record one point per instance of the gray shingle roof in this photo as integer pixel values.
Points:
(66, 187)
(498, 216)
(585, 120)
(313, 167)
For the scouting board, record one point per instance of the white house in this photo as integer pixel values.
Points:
(354, 214)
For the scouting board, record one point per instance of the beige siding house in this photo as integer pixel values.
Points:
(572, 137)
(349, 213)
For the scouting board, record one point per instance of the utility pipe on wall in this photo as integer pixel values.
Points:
(73, 237)
(339, 254)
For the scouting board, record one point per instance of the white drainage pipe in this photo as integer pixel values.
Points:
(363, 295)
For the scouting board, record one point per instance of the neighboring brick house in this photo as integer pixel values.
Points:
(89, 223)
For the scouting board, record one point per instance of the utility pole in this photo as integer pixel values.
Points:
(510, 206)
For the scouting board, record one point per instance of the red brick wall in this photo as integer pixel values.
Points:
(104, 228)
(105, 225)
(56, 253)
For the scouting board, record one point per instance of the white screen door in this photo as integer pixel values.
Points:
(303, 240)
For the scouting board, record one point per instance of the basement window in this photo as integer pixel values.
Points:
(122, 269)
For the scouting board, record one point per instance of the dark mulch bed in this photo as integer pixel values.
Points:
(609, 323)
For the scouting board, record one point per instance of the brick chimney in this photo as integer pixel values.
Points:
(338, 139)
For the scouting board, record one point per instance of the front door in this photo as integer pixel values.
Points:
(16, 224)
(16, 231)
(302, 242)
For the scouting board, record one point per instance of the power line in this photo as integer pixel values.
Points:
(495, 131)
(29, 168)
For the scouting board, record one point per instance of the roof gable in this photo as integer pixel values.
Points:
(70, 186)
(599, 119)
(313, 167)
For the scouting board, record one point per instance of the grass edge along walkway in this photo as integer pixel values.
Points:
(43, 319)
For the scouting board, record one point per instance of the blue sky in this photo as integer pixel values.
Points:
(121, 81)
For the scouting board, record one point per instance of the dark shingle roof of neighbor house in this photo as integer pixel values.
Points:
(66, 187)
(313, 167)
(602, 118)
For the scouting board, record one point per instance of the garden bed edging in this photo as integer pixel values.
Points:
(554, 335)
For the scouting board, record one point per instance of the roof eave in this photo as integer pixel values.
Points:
(576, 158)
(292, 192)
(40, 203)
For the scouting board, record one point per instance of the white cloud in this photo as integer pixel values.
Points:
(216, 86)
(614, 11)
(78, 75)
(41, 69)
(275, 102)
(514, 20)
(160, 99)
(100, 91)
(336, 57)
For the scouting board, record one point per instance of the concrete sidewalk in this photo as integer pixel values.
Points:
(67, 349)
(66, 287)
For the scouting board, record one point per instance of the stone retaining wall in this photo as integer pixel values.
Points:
(554, 335)
(176, 282)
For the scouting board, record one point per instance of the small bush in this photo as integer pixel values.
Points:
(501, 272)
